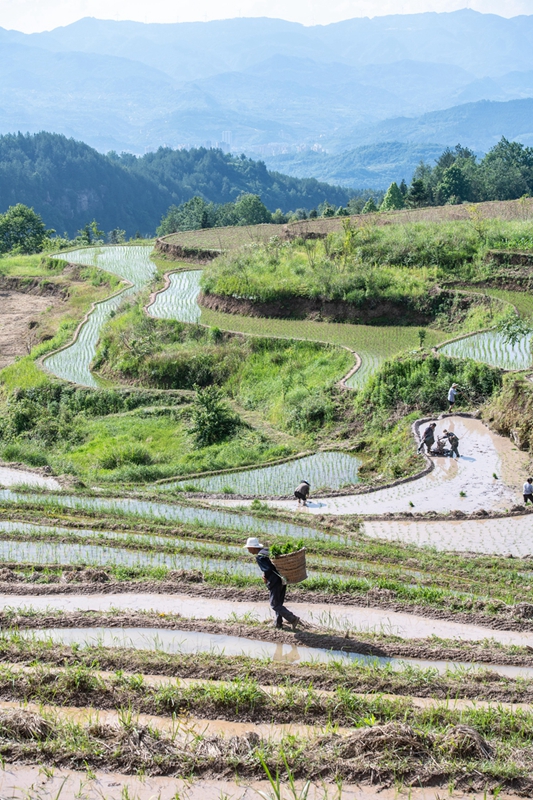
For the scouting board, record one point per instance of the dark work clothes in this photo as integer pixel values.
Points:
(275, 587)
(302, 489)
(428, 439)
(528, 498)
(454, 442)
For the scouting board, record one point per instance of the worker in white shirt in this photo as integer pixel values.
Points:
(528, 491)
(452, 394)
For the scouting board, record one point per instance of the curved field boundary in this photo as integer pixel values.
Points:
(41, 360)
(313, 228)
(341, 383)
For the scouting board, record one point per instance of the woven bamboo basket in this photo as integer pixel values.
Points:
(292, 566)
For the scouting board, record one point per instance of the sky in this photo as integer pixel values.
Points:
(30, 16)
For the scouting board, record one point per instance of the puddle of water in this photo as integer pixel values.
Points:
(178, 301)
(32, 782)
(190, 642)
(483, 454)
(336, 617)
(133, 264)
(12, 477)
(490, 347)
(331, 470)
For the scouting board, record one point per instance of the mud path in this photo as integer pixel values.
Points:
(188, 585)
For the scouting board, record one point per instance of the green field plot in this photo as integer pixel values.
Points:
(225, 238)
(373, 343)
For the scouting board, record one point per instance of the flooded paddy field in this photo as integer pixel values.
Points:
(467, 484)
(16, 477)
(195, 642)
(491, 347)
(410, 644)
(331, 470)
(72, 363)
(335, 617)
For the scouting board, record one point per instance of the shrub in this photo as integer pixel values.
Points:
(213, 420)
(132, 454)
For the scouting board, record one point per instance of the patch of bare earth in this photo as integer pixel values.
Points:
(20, 324)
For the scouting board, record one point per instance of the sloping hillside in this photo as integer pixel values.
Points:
(69, 183)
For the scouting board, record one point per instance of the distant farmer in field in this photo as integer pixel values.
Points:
(302, 492)
(528, 491)
(428, 438)
(277, 585)
(454, 442)
(452, 394)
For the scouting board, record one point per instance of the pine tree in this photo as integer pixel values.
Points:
(370, 207)
(393, 199)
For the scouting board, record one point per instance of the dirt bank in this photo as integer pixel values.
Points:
(384, 313)
(20, 327)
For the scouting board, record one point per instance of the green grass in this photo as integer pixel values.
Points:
(522, 301)
(381, 341)
(34, 266)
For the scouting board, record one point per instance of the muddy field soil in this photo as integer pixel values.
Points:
(324, 640)
(30, 781)
(488, 686)
(97, 581)
(19, 322)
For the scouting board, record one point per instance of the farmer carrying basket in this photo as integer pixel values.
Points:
(276, 581)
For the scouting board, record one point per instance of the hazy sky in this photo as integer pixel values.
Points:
(38, 15)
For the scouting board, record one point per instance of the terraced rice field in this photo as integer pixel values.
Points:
(491, 348)
(178, 301)
(373, 344)
(327, 470)
(110, 606)
(415, 672)
(131, 263)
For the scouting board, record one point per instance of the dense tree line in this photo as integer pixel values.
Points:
(68, 183)
(504, 173)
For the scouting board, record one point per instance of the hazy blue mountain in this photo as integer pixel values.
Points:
(477, 125)
(484, 44)
(263, 86)
(372, 166)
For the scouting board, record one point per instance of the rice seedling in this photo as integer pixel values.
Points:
(492, 348)
(131, 263)
(323, 470)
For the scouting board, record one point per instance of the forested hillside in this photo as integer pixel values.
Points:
(69, 183)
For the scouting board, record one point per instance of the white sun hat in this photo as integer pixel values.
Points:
(253, 542)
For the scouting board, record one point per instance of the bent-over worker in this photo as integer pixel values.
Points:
(277, 585)
(428, 438)
(302, 492)
(454, 442)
